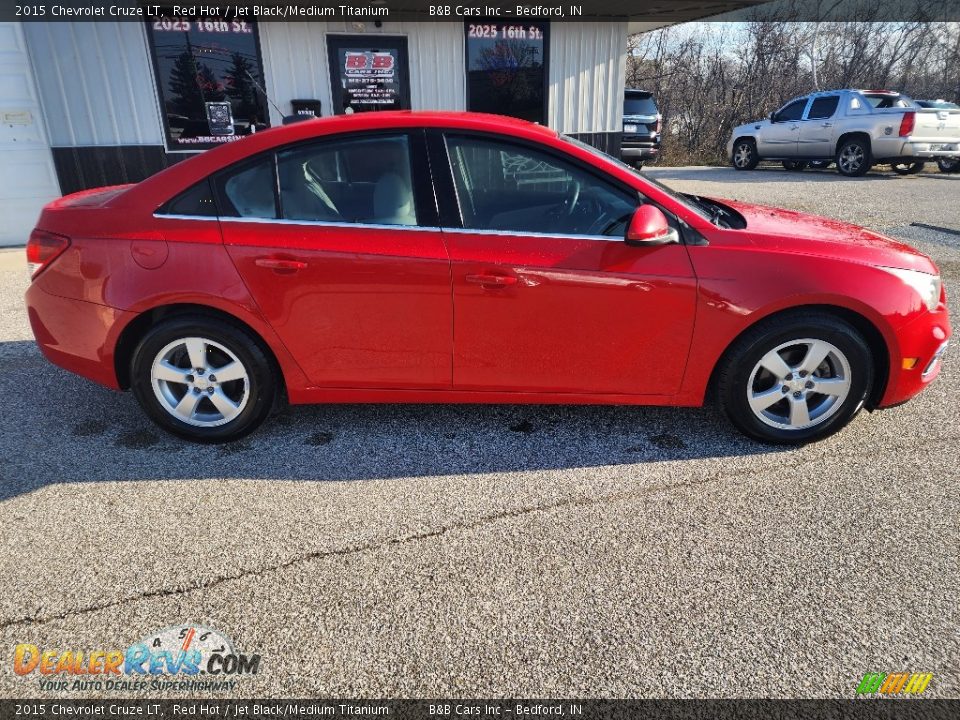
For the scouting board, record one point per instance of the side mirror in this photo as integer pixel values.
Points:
(648, 226)
(773, 116)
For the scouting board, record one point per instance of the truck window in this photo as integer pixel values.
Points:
(823, 107)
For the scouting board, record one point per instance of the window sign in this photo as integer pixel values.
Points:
(366, 77)
(507, 68)
(210, 80)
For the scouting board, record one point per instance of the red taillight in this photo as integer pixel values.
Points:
(908, 123)
(43, 248)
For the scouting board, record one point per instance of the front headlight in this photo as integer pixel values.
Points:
(925, 284)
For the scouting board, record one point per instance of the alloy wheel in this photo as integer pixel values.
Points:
(743, 155)
(200, 382)
(851, 158)
(799, 384)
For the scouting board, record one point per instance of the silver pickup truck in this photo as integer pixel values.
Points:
(856, 129)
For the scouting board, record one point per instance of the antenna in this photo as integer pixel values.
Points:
(258, 86)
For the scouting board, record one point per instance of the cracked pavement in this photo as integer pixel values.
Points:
(419, 551)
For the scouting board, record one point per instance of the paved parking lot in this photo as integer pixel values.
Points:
(500, 551)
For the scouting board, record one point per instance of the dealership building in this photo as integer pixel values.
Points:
(86, 104)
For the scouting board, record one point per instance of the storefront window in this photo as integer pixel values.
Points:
(368, 73)
(210, 80)
(507, 69)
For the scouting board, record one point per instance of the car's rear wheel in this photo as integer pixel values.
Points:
(203, 379)
(794, 165)
(795, 378)
(907, 168)
(853, 157)
(949, 165)
(745, 155)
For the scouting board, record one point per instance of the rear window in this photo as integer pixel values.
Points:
(637, 105)
(884, 100)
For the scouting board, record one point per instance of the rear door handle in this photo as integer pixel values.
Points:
(492, 280)
(280, 265)
(828, 125)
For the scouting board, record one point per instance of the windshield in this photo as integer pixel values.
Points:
(635, 105)
(678, 197)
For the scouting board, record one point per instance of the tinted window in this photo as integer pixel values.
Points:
(364, 180)
(883, 100)
(639, 105)
(208, 72)
(512, 188)
(197, 201)
(506, 69)
(793, 111)
(249, 191)
(823, 107)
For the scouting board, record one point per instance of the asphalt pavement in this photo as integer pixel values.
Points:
(431, 551)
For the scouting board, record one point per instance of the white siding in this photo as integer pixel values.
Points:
(28, 180)
(295, 62)
(96, 82)
(587, 72)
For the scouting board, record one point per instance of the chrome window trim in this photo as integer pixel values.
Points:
(375, 226)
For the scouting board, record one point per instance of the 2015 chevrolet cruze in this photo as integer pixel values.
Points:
(441, 257)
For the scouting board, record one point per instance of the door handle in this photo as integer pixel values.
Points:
(827, 125)
(492, 281)
(280, 265)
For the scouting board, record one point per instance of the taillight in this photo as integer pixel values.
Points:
(908, 123)
(659, 123)
(43, 248)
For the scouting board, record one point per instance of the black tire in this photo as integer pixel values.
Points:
(745, 155)
(820, 164)
(256, 392)
(854, 157)
(949, 165)
(638, 164)
(794, 165)
(736, 376)
(907, 168)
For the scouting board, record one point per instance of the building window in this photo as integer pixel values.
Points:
(507, 68)
(210, 80)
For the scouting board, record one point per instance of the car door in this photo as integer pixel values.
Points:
(779, 138)
(817, 132)
(338, 243)
(548, 298)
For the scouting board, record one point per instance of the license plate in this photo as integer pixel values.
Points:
(630, 128)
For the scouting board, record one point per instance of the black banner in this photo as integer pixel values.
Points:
(862, 709)
(381, 11)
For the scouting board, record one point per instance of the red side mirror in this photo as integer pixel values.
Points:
(648, 226)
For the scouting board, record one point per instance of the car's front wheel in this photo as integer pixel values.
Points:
(949, 165)
(795, 378)
(745, 155)
(203, 379)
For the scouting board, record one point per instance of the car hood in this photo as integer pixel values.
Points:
(795, 232)
(750, 126)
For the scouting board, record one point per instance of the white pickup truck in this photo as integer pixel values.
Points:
(856, 129)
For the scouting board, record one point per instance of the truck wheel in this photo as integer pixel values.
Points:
(745, 154)
(907, 168)
(949, 165)
(854, 158)
(794, 165)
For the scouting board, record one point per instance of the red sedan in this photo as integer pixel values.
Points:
(453, 257)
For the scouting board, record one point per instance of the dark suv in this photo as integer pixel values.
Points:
(641, 128)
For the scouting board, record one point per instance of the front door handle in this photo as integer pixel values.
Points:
(492, 281)
(828, 125)
(280, 265)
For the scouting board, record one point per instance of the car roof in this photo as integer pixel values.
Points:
(184, 174)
